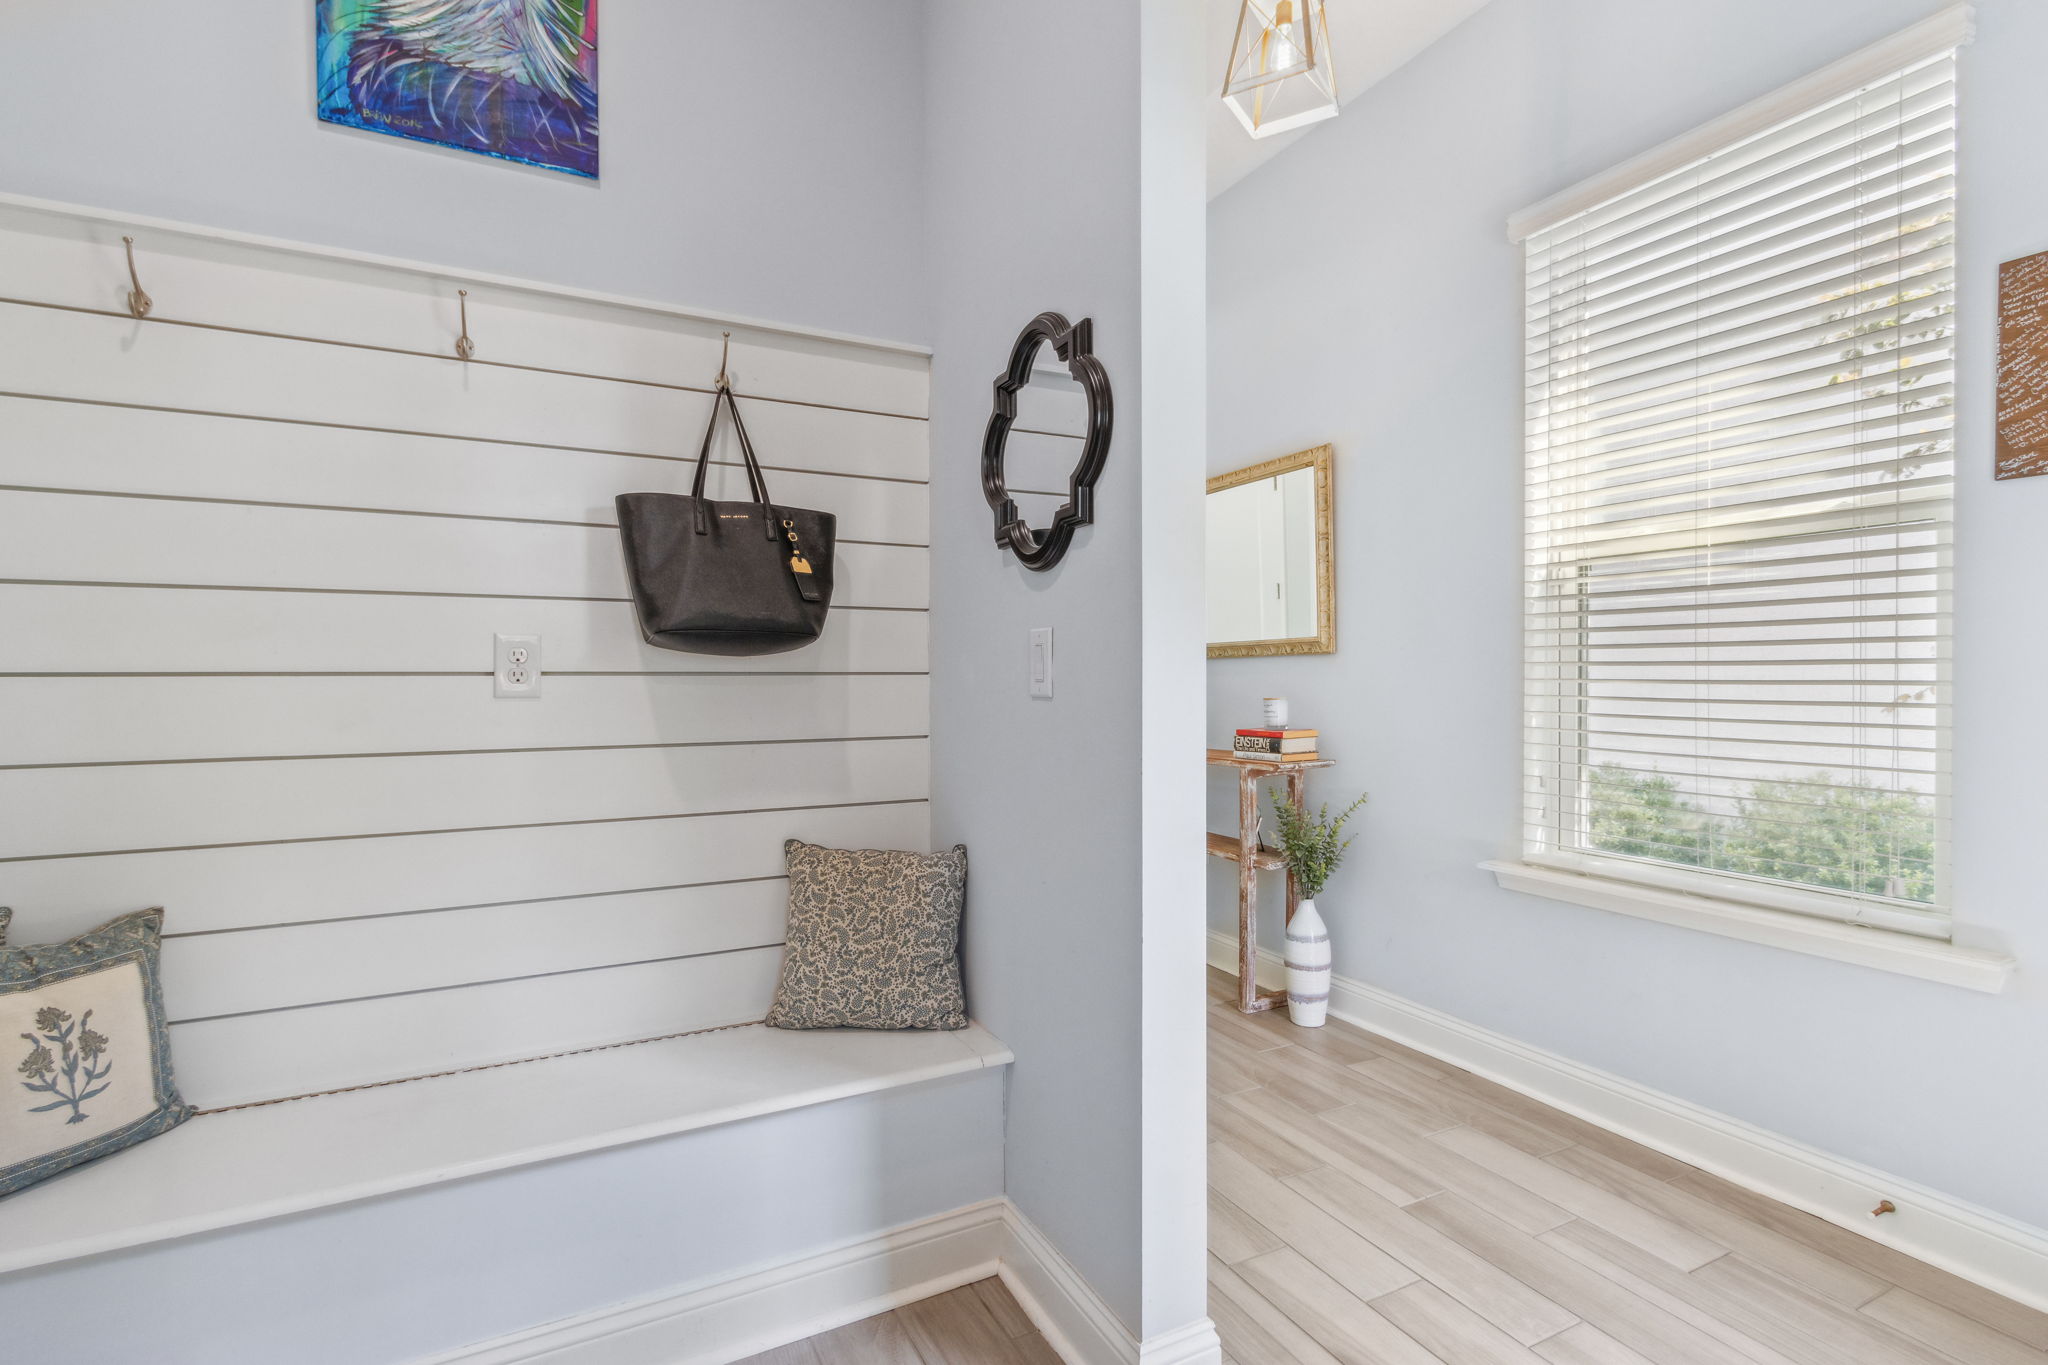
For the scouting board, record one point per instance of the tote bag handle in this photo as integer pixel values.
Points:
(757, 483)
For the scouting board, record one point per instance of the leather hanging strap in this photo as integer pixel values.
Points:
(757, 483)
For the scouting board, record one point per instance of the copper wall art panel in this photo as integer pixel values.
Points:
(2023, 367)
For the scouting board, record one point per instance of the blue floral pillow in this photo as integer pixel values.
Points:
(89, 1058)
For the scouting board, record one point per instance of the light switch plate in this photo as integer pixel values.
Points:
(1041, 661)
(516, 667)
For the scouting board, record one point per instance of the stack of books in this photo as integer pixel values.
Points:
(1277, 746)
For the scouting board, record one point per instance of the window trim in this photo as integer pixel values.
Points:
(1810, 921)
(1761, 893)
(1886, 950)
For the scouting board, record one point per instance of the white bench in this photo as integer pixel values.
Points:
(242, 1166)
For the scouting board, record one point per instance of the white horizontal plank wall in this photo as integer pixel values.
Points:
(257, 546)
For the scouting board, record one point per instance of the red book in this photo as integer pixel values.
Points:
(1278, 734)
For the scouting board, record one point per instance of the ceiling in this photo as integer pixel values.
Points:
(1371, 38)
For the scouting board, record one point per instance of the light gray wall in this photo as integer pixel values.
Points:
(1364, 293)
(1033, 154)
(770, 159)
(763, 159)
(1065, 173)
(760, 159)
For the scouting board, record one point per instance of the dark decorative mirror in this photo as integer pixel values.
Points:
(1048, 422)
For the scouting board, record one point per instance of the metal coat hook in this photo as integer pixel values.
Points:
(139, 303)
(464, 347)
(724, 352)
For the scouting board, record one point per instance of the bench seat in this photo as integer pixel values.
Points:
(245, 1165)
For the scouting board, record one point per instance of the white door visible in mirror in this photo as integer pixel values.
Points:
(1262, 559)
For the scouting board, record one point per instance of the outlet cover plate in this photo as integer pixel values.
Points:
(516, 667)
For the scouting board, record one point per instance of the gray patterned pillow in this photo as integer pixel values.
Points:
(873, 941)
(90, 1069)
(6, 914)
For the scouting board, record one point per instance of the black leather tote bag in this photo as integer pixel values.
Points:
(727, 577)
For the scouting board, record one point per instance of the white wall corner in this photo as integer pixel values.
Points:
(1067, 1311)
(1194, 1344)
(1986, 1248)
(771, 1306)
(1173, 105)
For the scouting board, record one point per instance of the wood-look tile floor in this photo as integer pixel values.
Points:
(977, 1324)
(1371, 1204)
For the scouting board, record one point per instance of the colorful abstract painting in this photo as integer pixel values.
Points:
(509, 78)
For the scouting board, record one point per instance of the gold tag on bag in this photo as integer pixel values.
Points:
(797, 562)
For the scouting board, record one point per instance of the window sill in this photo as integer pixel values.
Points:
(1930, 960)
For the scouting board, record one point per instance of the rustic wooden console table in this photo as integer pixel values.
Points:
(1252, 858)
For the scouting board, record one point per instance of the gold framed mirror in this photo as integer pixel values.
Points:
(1270, 576)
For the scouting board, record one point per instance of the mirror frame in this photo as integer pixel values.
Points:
(1324, 641)
(1075, 345)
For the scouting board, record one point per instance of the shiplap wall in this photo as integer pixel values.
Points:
(253, 551)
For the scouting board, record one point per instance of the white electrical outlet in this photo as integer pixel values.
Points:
(1041, 661)
(517, 666)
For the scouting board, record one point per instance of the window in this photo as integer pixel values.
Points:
(1740, 389)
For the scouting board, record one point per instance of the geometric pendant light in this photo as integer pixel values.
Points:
(1281, 75)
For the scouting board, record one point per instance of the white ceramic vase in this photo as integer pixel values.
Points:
(1308, 967)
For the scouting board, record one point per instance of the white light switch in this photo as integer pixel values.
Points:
(517, 666)
(1041, 661)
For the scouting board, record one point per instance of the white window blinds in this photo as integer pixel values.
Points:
(1740, 387)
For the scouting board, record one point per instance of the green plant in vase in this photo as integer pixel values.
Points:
(1312, 847)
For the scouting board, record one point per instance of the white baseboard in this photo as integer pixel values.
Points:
(1194, 1344)
(1986, 1248)
(1075, 1321)
(1271, 973)
(1068, 1313)
(713, 1324)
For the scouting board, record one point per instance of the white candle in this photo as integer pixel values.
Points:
(1276, 713)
